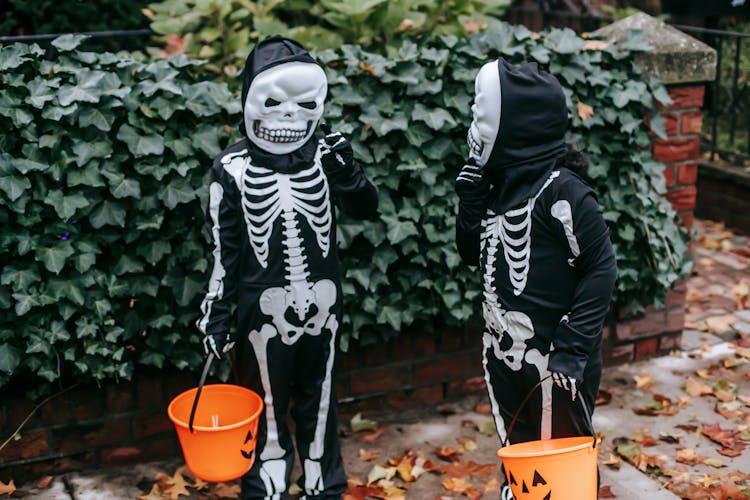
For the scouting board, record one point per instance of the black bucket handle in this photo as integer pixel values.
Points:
(200, 388)
(585, 408)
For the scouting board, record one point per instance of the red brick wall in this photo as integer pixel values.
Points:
(680, 152)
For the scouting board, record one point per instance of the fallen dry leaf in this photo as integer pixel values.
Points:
(671, 438)
(456, 485)
(467, 443)
(644, 461)
(449, 454)
(584, 111)
(379, 472)
(696, 388)
(643, 381)
(366, 68)
(606, 492)
(491, 485)
(44, 482)
(613, 461)
(371, 437)
(357, 423)
(7, 489)
(367, 456)
(468, 469)
(661, 405)
(226, 490)
(644, 439)
(721, 324)
(483, 409)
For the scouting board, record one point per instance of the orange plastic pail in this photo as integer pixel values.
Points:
(559, 469)
(221, 446)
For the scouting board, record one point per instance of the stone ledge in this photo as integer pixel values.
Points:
(675, 57)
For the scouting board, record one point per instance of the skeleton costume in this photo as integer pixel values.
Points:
(547, 265)
(274, 259)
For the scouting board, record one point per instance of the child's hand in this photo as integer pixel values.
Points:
(567, 383)
(471, 184)
(337, 155)
(218, 343)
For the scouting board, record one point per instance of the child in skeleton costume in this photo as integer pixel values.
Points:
(547, 265)
(274, 257)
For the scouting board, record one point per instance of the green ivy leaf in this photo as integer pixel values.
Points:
(14, 186)
(66, 206)
(10, 358)
(54, 258)
(140, 145)
(176, 193)
(102, 119)
(69, 42)
(107, 213)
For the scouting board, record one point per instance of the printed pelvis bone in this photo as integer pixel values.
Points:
(486, 113)
(283, 106)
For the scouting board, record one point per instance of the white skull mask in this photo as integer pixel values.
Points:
(283, 106)
(486, 113)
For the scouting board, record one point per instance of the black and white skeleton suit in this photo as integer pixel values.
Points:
(275, 279)
(547, 266)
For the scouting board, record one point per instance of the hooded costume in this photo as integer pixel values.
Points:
(274, 265)
(547, 265)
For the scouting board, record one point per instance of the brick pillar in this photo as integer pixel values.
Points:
(681, 150)
(684, 65)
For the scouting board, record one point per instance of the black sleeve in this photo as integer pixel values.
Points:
(579, 333)
(468, 230)
(224, 223)
(354, 194)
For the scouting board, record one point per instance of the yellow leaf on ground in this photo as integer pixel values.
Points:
(225, 490)
(721, 324)
(492, 485)
(584, 111)
(367, 456)
(468, 443)
(379, 472)
(642, 381)
(715, 462)
(696, 388)
(7, 489)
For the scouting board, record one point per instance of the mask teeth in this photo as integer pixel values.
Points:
(475, 146)
(280, 135)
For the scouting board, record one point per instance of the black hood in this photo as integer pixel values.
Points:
(531, 135)
(266, 54)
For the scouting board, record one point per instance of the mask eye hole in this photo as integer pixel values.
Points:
(308, 104)
(271, 102)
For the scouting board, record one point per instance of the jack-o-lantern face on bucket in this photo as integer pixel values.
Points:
(536, 489)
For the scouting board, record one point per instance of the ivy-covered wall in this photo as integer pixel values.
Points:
(103, 169)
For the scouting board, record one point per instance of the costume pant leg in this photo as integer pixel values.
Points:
(263, 362)
(315, 415)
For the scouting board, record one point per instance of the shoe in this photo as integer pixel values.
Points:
(506, 493)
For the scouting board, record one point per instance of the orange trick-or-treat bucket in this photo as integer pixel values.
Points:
(552, 469)
(217, 436)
